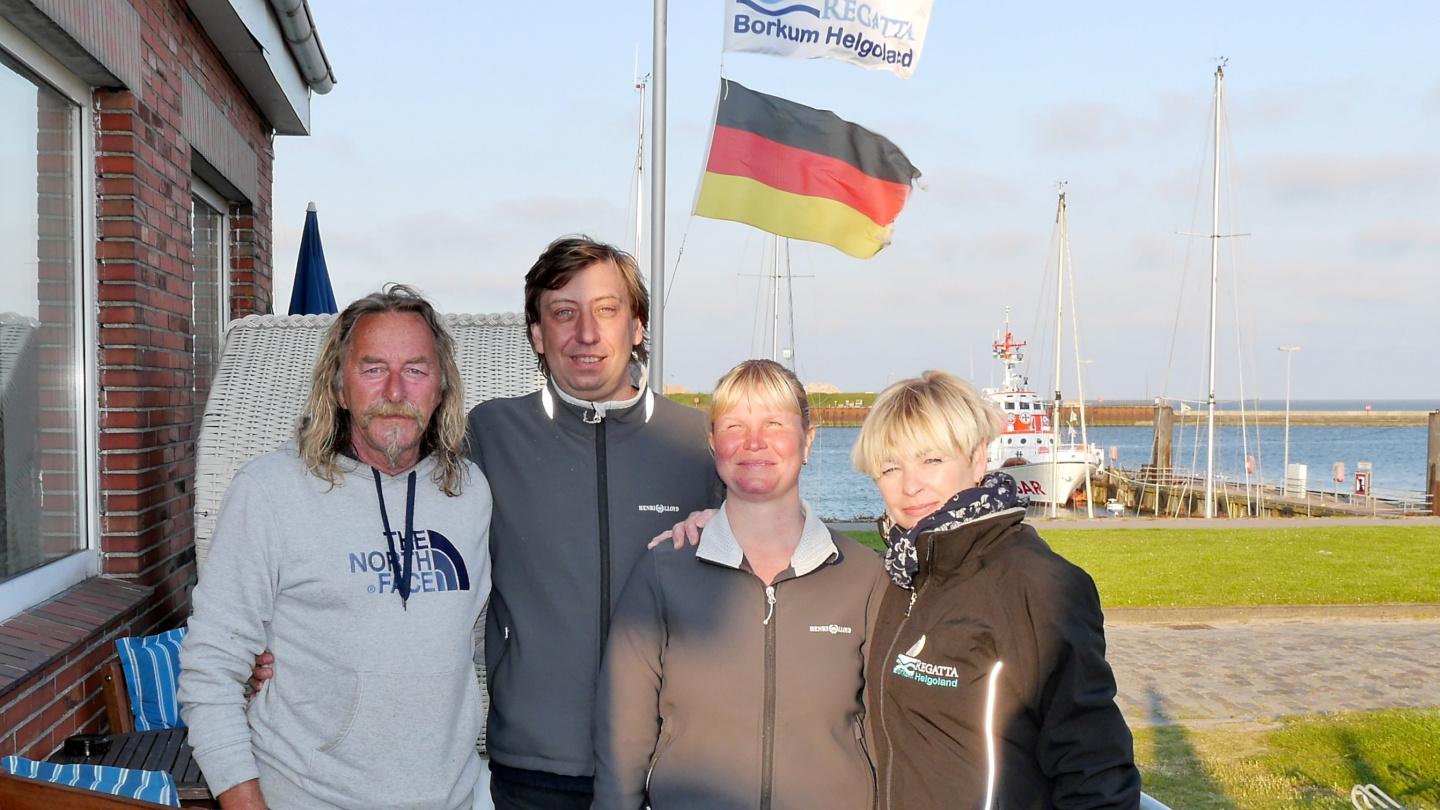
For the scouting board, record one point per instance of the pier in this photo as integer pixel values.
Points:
(1144, 416)
(1164, 493)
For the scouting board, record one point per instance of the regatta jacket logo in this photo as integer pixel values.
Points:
(832, 629)
(658, 507)
(907, 665)
(435, 567)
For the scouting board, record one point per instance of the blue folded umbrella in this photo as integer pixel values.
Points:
(311, 294)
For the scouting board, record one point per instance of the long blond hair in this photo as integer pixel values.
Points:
(324, 429)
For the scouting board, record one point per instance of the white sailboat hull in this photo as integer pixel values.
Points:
(1045, 483)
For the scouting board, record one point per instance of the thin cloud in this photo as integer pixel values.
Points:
(962, 187)
(1005, 245)
(1099, 125)
(1304, 177)
(1397, 238)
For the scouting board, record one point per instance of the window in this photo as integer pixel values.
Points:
(209, 226)
(46, 426)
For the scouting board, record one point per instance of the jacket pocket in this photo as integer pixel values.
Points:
(433, 717)
(859, 726)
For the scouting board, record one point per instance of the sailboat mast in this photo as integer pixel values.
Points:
(640, 171)
(1059, 343)
(775, 301)
(657, 202)
(1214, 296)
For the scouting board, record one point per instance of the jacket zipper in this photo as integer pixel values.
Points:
(602, 499)
(884, 678)
(767, 756)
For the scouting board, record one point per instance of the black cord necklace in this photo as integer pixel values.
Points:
(398, 570)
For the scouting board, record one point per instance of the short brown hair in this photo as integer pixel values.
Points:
(766, 380)
(935, 412)
(324, 429)
(569, 255)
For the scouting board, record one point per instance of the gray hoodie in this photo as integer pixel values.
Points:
(372, 704)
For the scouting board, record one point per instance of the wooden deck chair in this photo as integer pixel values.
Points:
(21, 793)
(264, 380)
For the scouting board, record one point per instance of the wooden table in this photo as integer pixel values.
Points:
(163, 750)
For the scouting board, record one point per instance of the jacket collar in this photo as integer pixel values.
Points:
(719, 545)
(942, 554)
(595, 412)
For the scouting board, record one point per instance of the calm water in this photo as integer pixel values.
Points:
(838, 492)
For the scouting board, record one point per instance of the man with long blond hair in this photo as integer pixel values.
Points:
(359, 555)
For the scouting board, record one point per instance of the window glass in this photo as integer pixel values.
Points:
(208, 231)
(40, 476)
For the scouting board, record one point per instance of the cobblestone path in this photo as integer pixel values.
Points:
(1262, 670)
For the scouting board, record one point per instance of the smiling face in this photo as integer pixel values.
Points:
(759, 449)
(586, 332)
(920, 483)
(391, 384)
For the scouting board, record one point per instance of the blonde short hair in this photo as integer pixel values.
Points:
(935, 412)
(764, 381)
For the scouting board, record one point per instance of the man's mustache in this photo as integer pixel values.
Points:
(385, 409)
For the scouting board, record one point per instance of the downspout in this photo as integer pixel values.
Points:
(298, 26)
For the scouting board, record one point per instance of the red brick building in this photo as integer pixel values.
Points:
(136, 157)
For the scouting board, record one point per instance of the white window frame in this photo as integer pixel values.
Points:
(32, 587)
(215, 200)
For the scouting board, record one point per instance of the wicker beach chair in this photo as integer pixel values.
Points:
(264, 380)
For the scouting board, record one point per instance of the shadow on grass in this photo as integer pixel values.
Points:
(1179, 777)
(1401, 782)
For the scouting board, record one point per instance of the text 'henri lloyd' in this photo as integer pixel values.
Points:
(658, 507)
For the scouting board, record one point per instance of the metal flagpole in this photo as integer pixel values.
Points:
(657, 205)
(1214, 293)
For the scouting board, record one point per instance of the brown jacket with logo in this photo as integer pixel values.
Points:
(989, 593)
(718, 692)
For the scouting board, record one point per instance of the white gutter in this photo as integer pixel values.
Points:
(304, 40)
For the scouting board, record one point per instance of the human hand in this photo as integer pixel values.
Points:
(687, 530)
(262, 672)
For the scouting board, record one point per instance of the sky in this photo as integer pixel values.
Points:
(463, 137)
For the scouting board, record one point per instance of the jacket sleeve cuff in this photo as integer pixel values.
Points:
(227, 766)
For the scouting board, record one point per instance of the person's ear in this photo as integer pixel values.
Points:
(537, 338)
(978, 462)
(809, 442)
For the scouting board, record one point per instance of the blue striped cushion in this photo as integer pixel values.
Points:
(152, 666)
(150, 786)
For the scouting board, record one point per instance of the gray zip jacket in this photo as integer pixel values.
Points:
(721, 692)
(579, 492)
(372, 705)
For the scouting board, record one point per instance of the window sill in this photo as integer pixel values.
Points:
(48, 632)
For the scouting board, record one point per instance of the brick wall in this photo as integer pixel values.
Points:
(146, 362)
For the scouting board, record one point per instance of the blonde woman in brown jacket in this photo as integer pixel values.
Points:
(733, 674)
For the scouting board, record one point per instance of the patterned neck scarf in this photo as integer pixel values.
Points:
(996, 493)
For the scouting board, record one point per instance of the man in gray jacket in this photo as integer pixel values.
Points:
(584, 471)
(359, 555)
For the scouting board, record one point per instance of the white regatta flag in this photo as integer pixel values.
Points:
(884, 34)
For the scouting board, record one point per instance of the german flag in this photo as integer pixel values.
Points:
(803, 173)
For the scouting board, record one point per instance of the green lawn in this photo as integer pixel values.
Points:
(1305, 762)
(1310, 565)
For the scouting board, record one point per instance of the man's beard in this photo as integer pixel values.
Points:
(384, 408)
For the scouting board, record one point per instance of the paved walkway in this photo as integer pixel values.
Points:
(1261, 670)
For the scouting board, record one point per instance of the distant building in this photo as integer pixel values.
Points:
(821, 388)
(136, 157)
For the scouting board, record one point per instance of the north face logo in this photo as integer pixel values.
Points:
(436, 566)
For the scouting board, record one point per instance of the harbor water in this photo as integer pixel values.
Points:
(1397, 456)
